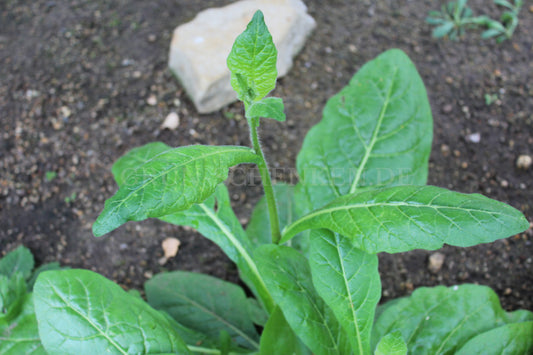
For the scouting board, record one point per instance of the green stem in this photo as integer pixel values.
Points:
(267, 182)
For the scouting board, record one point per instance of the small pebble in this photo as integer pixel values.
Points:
(445, 150)
(524, 162)
(152, 100)
(172, 121)
(474, 137)
(436, 260)
(152, 38)
(447, 108)
(504, 183)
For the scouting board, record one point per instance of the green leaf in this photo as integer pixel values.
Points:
(270, 107)
(252, 61)
(391, 344)
(442, 30)
(278, 337)
(376, 131)
(19, 260)
(348, 281)
(441, 320)
(215, 219)
(287, 198)
(257, 313)
(516, 338)
(21, 336)
(12, 292)
(288, 277)
(170, 182)
(129, 162)
(204, 304)
(403, 218)
(80, 312)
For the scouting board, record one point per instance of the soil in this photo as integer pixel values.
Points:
(75, 82)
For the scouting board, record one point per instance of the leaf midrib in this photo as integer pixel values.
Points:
(368, 149)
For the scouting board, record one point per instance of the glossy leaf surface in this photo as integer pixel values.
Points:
(403, 218)
(348, 281)
(278, 337)
(441, 320)
(252, 61)
(126, 165)
(80, 312)
(377, 131)
(19, 260)
(288, 277)
(205, 304)
(515, 338)
(170, 182)
(21, 336)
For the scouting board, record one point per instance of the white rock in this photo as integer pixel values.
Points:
(170, 247)
(435, 262)
(199, 48)
(171, 122)
(474, 137)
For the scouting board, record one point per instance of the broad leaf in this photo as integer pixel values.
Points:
(170, 182)
(515, 338)
(19, 260)
(348, 281)
(288, 277)
(441, 320)
(45, 267)
(21, 336)
(278, 337)
(252, 61)
(403, 218)
(80, 312)
(205, 304)
(215, 219)
(377, 131)
(391, 344)
(270, 107)
(258, 229)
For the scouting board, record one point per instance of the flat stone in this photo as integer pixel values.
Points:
(199, 48)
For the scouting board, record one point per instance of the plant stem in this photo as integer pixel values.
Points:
(267, 182)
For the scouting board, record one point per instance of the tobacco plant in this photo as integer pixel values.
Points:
(309, 255)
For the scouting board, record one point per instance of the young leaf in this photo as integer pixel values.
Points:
(515, 338)
(376, 132)
(252, 61)
(441, 320)
(288, 277)
(403, 218)
(80, 312)
(205, 304)
(21, 336)
(278, 337)
(221, 226)
(270, 107)
(391, 344)
(170, 182)
(348, 281)
(19, 260)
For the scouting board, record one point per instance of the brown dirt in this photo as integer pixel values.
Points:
(75, 77)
